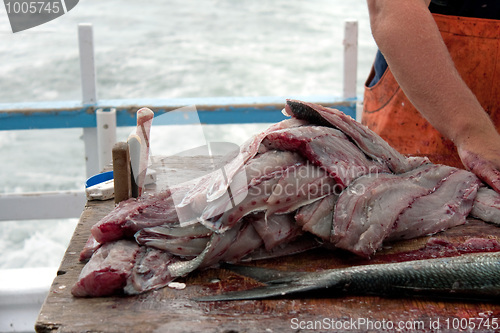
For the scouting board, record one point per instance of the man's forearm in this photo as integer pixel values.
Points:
(417, 56)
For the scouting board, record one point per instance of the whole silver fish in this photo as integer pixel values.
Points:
(470, 275)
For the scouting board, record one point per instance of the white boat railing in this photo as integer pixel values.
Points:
(20, 299)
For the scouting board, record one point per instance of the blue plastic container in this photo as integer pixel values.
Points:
(99, 178)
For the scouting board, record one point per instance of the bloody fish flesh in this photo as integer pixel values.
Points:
(317, 179)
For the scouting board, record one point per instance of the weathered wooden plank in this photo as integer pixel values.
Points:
(169, 310)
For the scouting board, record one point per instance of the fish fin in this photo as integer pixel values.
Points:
(303, 111)
(264, 275)
(279, 283)
(277, 290)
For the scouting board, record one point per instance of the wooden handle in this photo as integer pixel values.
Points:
(121, 172)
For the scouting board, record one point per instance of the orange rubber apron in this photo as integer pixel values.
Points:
(474, 45)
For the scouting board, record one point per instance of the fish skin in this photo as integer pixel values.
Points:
(217, 248)
(214, 185)
(471, 275)
(248, 150)
(255, 201)
(184, 242)
(447, 206)
(246, 241)
(299, 186)
(317, 217)
(327, 148)
(486, 205)
(366, 211)
(275, 229)
(261, 174)
(150, 271)
(367, 140)
(302, 243)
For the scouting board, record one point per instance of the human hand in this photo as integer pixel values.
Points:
(481, 155)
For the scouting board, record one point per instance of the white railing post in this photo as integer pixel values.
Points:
(89, 93)
(350, 58)
(106, 135)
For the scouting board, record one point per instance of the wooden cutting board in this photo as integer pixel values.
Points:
(171, 310)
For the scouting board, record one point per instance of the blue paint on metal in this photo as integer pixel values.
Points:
(42, 120)
(218, 110)
(244, 115)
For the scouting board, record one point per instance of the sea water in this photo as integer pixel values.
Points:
(158, 49)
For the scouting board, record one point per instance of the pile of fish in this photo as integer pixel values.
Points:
(318, 178)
